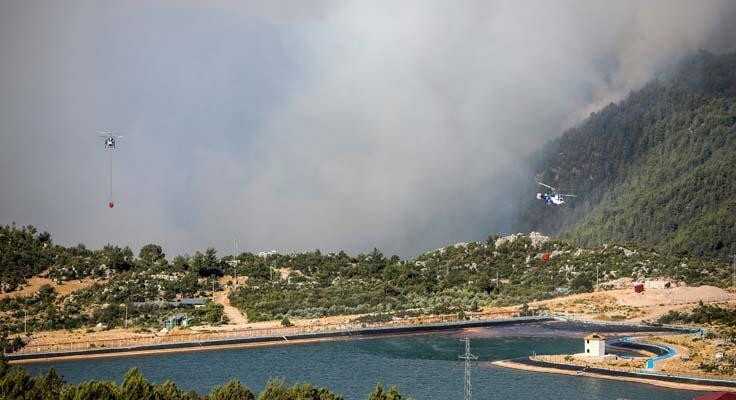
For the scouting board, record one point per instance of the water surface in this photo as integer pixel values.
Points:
(422, 366)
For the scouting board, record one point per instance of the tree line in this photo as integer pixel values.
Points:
(456, 279)
(17, 384)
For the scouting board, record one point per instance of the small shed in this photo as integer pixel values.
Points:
(595, 345)
(717, 396)
(177, 320)
(639, 288)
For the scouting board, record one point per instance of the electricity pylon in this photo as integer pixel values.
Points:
(469, 358)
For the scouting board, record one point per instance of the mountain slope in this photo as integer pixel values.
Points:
(658, 168)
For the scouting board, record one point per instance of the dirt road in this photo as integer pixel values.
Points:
(233, 314)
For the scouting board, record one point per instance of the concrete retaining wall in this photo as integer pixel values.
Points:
(601, 371)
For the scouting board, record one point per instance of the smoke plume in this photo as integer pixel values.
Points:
(302, 125)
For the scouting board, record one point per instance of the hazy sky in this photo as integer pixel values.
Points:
(308, 124)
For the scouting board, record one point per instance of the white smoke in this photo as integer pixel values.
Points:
(345, 125)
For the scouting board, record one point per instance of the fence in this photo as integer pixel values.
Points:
(195, 337)
(559, 359)
(688, 374)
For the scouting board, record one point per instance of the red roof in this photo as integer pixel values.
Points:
(717, 396)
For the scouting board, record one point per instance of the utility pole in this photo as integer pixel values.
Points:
(25, 323)
(496, 278)
(126, 316)
(236, 263)
(469, 358)
(597, 281)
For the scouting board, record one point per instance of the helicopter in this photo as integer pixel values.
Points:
(555, 198)
(109, 138)
(109, 145)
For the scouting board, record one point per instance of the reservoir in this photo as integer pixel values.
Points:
(421, 366)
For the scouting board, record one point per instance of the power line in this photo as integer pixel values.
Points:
(469, 358)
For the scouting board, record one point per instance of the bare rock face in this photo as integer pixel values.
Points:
(537, 239)
(556, 253)
(507, 239)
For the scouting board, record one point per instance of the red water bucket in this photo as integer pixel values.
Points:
(545, 256)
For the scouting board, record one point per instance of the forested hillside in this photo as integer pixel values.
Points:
(120, 280)
(23, 253)
(459, 278)
(503, 271)
(657, 168)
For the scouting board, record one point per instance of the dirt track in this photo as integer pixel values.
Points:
(232, 313)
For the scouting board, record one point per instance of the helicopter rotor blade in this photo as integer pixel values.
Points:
(109, 133)
(545, 185)
(568, 195)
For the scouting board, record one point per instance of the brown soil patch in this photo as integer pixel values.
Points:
(78, 335)
(33, 284)
(674, 296)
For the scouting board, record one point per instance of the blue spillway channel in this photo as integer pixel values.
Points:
(669, 351)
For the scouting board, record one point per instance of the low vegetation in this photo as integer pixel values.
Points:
(457, 279)
(142, 288)
(715, 353)
(722, 318)
(17, 384)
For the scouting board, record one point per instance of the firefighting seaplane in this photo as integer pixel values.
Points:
(554, 198)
